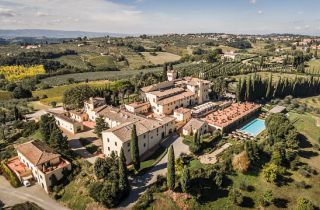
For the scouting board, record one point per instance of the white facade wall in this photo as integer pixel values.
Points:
(43, 179)
(170, 107)
(66, 125)
(146, 141)
(182, 117)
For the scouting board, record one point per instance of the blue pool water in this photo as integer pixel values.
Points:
(254, 127)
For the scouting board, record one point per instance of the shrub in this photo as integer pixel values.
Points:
(144, 201)
(304, 204)
(241, 162)
(9, 175)
(266, 198)
(301, 184)
(236, 197)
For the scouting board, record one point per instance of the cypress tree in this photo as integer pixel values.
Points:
(171, 169)
(268, 93)
(195, 136)
(248, 89)
(16, 112)
(134, 148)
(238, 93)
(123, 173)
(164, 72)
(185, 180)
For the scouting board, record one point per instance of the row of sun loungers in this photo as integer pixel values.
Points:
(239, 135)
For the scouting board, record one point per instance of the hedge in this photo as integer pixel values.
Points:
(10, 176)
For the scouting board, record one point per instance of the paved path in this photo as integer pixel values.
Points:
(35, 194)
(140, 183)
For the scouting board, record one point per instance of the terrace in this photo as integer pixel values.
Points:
(19, 167)
(231, 115)
(52, 167)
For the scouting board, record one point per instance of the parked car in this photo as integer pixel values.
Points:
(26, 183)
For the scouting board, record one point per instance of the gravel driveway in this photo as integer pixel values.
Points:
(35, 194)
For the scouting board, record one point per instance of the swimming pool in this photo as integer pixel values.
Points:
(254, 127)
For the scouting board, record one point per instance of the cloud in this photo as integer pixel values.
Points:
(4, 12)
(253, 1)
(260, 12)
(41, 14)
(95, 15)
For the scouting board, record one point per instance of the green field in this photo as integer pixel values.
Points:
(56, 93)
(160, 57)
(102, 62)
(313, 102)
(307, 125)
(313, 66)
(99, 75)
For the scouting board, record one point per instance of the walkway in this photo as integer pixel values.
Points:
(141, 182)
(212, 158)
(11, 196)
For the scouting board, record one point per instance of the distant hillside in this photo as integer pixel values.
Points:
(53, 33)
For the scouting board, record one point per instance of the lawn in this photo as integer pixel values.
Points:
(56, 93)
(154, 158)
(160, 57)
(306, 125)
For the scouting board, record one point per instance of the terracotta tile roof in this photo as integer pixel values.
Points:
(157, 86)
(138, 104)
(231, 114)
(182, 110)
(65, 118)
(78, 112)
(176, 97)
(37, 152)
(123, 131)
(163, 93)
(119, 115)
(194, 124)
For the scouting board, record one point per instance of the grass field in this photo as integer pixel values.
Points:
(275, 76)
(311, 101)
(102, 62)
(160, 57)
(313, 66)
(99, 75)
(75, 195)
(56, 93)
(72, 60)
(306, 124)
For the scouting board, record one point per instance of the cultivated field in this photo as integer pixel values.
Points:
(99, 75)
(20, 72)
(160, 57)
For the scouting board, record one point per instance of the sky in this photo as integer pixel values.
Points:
(164, 16)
